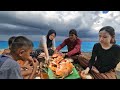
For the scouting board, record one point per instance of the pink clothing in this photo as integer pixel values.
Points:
(74, 48)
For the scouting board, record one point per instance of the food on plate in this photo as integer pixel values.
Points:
(61, 67)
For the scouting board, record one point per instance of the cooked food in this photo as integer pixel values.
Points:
(60, 66)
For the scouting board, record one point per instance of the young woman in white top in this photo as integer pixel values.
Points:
(47, 43)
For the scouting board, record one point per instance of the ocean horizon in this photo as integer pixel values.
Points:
(85, 46)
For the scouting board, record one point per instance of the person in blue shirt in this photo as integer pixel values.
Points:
(19, 50)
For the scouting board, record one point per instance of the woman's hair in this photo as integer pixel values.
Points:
(111, 31)
(49, 42)
(51, 31)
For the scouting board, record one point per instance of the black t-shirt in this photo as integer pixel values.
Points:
(105, 60)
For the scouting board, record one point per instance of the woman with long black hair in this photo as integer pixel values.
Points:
(47, 44)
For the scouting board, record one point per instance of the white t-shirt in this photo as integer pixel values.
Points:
(43, 40)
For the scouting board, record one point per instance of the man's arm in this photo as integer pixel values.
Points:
(76, 49)
(63, 44)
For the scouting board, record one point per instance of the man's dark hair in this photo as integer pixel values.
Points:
(21, 42)
(10, 40)
(73, 31)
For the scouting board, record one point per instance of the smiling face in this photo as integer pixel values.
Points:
(104, 37)
(72, 37)
(52, 36)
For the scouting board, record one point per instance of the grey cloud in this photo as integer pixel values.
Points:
(39, 22)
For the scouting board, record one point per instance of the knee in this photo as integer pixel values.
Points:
(83, 57)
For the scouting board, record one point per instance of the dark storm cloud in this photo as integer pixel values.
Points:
(9, 18)
(39, 22)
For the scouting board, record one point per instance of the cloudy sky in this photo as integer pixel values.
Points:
(35, 23)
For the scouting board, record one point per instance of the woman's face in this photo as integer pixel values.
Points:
(104, 37)
(52, 36)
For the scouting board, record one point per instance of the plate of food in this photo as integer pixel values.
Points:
(60, 68)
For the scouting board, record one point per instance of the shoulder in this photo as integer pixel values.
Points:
(42, 36)
(10, 63)
(67, 39)
(116, 46)
(1, 51)
(78, 39)
(6, 51)
(97, 45)
(116, 49)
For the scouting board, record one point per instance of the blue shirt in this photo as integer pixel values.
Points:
(10, 69)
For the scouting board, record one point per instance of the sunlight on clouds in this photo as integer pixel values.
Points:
(69, 16)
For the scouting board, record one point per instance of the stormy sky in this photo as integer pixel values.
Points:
(32, 24)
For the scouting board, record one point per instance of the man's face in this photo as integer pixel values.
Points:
(72, 37)
(25, 54)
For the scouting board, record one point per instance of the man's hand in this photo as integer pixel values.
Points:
(35, 62)
(30, 59)
(26, 69)
(56, 51)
